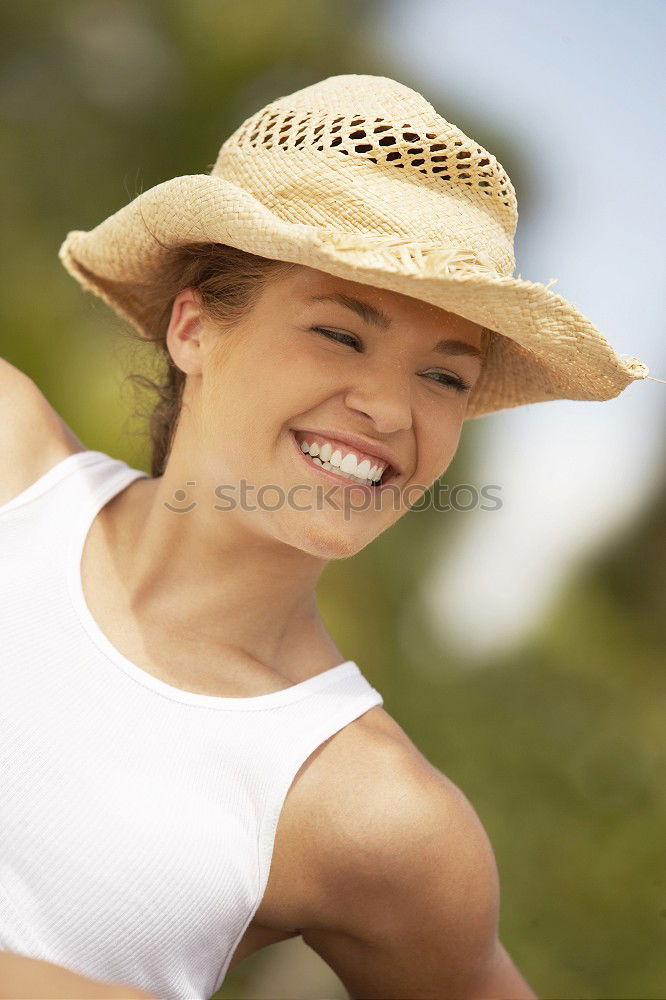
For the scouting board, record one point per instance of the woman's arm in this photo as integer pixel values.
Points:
(409, 900)
(23, 978)
(33, 436)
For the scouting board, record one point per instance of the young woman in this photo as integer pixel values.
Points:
(191, 768)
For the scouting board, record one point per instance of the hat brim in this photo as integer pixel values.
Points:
(546, 348)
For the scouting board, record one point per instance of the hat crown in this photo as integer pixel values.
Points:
(362, 154)
(360, 177)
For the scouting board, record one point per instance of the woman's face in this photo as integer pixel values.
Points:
(253, 394)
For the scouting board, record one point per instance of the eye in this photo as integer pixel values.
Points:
(454, 381)
(340, 337)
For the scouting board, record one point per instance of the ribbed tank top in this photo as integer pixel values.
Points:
(137, 820)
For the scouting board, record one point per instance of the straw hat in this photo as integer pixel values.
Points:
(360, 177)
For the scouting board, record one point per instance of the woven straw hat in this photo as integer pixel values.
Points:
(360, 177)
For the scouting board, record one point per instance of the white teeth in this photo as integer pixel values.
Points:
(338, 472)
(349, 466)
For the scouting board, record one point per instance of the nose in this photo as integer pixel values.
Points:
(383, 395)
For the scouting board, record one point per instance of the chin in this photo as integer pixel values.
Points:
(327, 542)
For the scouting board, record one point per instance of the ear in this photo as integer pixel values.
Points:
(183, 337)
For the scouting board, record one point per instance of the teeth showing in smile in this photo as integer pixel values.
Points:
(347, 466)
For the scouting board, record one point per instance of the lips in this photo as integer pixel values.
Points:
(389, 474)
(350, 442)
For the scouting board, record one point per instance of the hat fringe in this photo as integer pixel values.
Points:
(403, 254)
(637, 368)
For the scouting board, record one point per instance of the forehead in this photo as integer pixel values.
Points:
(310, 287)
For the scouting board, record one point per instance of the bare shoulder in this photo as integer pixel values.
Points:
(407, 901)
(34, 436)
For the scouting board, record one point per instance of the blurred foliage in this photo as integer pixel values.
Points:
(559, 746)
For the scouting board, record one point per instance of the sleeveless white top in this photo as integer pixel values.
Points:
(137, 820)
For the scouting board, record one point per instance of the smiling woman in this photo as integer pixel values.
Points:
(363, 390)
(329, 306)
(228, 282)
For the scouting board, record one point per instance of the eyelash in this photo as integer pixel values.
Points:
(450, 381)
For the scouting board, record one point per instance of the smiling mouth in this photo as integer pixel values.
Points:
(388, 476)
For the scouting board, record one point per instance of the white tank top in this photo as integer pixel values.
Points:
(137, 820)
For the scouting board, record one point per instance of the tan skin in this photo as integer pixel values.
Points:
(211, 575)
(144, 566)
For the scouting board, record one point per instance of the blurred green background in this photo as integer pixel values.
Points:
(560, 744)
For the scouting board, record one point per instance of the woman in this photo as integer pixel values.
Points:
(192, 766)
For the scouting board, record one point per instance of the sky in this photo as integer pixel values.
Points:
(579, 88)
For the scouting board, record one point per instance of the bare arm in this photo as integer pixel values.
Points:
(412, 893)
(23, 978)
(34, 436)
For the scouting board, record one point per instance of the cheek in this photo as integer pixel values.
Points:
(439, 443)
(299, 383)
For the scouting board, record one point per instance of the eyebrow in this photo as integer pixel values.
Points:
(376, 317)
